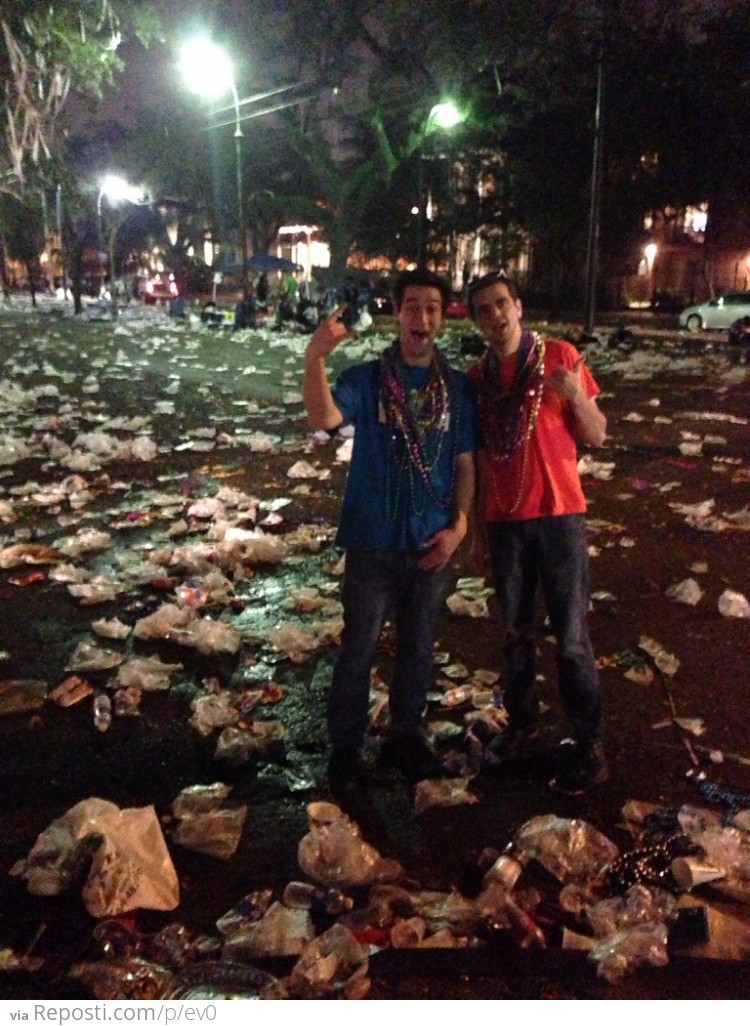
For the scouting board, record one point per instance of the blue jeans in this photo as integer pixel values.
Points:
(551, 552)
(378, 585)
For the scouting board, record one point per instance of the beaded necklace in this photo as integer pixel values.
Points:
(417, 423)
(508, 418)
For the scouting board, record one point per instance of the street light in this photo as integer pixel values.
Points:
(115, 190)
(207, 70)
(592, 246)
(444, 115)
(649, 251)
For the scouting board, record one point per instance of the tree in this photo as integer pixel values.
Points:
(45, 51)
(23, 236)
(526, 76)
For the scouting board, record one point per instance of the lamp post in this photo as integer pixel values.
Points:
(207, 71)
(649, 251)
(116, 191)
(592, 249)
(444, 115)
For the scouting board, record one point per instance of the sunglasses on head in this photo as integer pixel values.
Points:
(487, 279)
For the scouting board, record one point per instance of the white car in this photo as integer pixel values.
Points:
(720, 312)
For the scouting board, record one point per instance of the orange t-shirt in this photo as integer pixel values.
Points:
(548, 479)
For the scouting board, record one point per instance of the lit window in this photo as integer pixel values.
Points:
(697, 217)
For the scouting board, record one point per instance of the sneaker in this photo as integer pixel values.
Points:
(514, 743)
(587, 769)
(412, 756)
(345, 770)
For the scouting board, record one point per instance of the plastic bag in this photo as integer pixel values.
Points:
(334, 964)
(333, 851)
(214, 833)
(281, 931)
(133, 868)
(130, 869)
(626, 950)
(443, 793)
(570, 849)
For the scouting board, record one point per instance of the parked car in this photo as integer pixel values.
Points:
(457, 309)
(720, 312)
(159, 287)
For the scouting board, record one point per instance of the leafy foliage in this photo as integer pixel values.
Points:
(47, 49)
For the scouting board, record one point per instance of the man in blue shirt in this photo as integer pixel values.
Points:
(408, 496)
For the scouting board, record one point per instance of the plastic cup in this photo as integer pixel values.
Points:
(690, 872)
(321, 814)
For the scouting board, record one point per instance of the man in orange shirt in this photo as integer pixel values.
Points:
(536, 401)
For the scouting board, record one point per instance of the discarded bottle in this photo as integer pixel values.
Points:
(102, 711)
(249, 909)
(502, 912)
(331, 900)
(116, 939)
(525, 931)
(508, 866)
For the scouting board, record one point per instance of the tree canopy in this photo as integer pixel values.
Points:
(350, 157)
(45, 50)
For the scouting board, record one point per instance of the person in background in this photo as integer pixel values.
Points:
(291, 288)
(536, 400)
(261, 290)
(245, 311)
(405, 512)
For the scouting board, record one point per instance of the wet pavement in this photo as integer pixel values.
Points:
(151, 469)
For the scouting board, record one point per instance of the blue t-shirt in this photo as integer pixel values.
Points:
(387, 505)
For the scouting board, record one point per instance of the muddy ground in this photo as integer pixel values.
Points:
(678, 436)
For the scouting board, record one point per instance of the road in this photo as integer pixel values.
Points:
(225, 417)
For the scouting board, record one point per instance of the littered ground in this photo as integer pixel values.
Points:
(661, 397)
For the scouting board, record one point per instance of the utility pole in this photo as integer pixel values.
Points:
(592, 251)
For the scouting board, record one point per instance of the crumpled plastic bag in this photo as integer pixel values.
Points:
(208, 636)
(443, 793)
(147, 672)
(626, 950)
(131, 867)
(688, 592)
(133, 980)
(252, 546)
(734, 604)
(302, 469)
(25, 553)
(333, 852)
(281, 931)
(214, 833)
(204, 826)
(200, 798)
(159, 624)
(143, 448)
(296, 643)
(639, 906)
(570, 849)
(460, 605)
(333, 965)
(212, 711)
(86, 656)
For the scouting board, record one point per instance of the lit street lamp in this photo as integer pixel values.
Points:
(208, 71)
(444, 116)
(116, 191)
(649, 251)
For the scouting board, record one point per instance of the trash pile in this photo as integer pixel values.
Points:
(556, 883)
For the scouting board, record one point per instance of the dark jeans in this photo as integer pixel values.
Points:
(378, 585)
(551, 552)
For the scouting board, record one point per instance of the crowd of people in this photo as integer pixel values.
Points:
(438, 455)
(303, 302)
